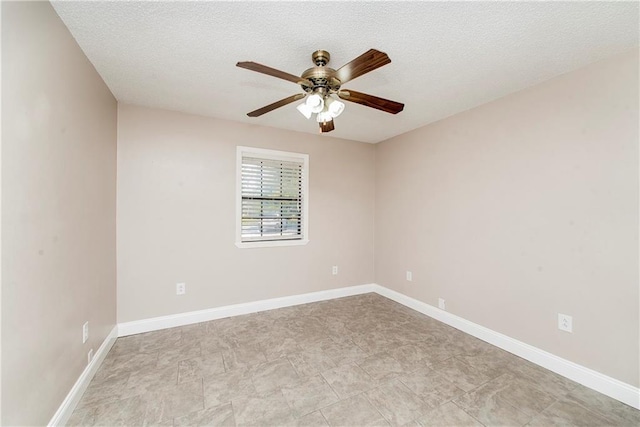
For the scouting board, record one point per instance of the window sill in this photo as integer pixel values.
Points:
(271, 244)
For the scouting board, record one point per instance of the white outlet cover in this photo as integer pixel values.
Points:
(441, 304)
(181, 288)
(334, 270)
(565, 322)
(409, 276)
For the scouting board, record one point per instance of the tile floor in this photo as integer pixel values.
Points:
(355, 361)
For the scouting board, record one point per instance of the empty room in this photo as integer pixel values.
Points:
(320, 213)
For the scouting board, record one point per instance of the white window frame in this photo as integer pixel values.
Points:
(272, 155)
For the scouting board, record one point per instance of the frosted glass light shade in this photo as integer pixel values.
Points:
(334, 107)
(305, 110)
(315, 103)
(324, 116)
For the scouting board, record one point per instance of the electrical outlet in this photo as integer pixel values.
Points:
(409, 276)
(85, 332)
(441, 304)
(181, 288)
(334, 270)
(89, 356)
(565, 322)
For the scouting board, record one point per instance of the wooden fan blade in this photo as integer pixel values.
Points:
(364, 63)
(326, 126)
(277, 104)
(371, 101)
(254, 66)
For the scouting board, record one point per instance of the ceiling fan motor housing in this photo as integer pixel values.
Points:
(322, 77)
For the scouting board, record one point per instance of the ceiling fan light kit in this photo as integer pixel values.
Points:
(315, 102)
(305, 110)
(319, 83)
(324, 116)
(334, 107)
(326, 126)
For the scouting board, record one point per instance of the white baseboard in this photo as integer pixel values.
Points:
(70, 402)
(604, 384)
(171, 321)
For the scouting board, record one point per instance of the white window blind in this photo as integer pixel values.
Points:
(272, 199)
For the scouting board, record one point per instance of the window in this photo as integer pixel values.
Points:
(272, 198)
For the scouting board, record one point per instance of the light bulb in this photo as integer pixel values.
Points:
(315, 103)
(305, 110)
(334, 107)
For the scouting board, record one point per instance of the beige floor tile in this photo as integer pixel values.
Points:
(199, 367)
(104, 390)
(252, 332)
(214, 343)
(82, 417)
(126, 345)
(380, 366)
(491, 363)
(411, 357)
(273, 375)
(222, 388)
(405, 333)
(147, 380)
(396, 403)
(431, 387)
(174, 401)
(275, 419)
(618, 412)
(194, 333)
(448, 415)
(566, 413)
(221, 416)
(314, 419)
(489, 404)
(309, 395)
(413, 366)
(311, 340)
(354, 411)
(468, 345)
(276, 347)
(543, 379)
(523, 394)
(267, 409)
(310, 362)
(342, 353)
(243, 357)
(437, 351)
(126, 412)
(373, 342)
(348, 380)
(126, 363)
(179, 353)
(462, 375)
(285, 313)
(163, 340)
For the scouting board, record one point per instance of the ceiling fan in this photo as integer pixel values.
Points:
(322, 84)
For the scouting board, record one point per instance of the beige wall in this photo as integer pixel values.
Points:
(58, 211)
(176, 215)
(523, 208)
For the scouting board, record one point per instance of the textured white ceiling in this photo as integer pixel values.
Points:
(446, 57)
